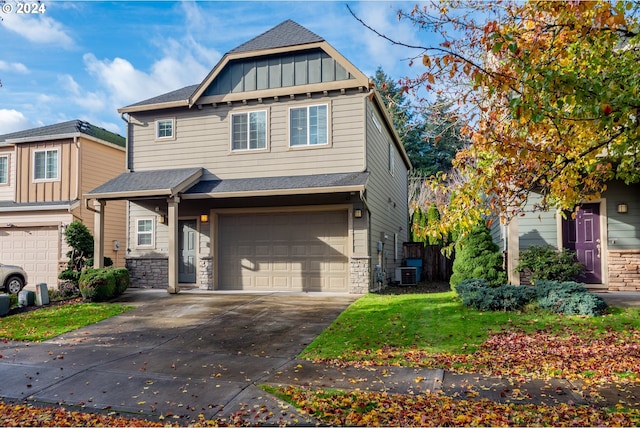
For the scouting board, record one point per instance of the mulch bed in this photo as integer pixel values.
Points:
(421, 288)
(22, 309)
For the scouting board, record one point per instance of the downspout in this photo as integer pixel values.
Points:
(128, 141)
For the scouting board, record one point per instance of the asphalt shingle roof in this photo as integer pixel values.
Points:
(279, 183)
(70, 127)
(156, 180)
(288, 33)
(177, 95)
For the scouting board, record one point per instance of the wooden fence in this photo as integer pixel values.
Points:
(435, 266)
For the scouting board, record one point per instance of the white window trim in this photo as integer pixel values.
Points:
(33, 163)
(266, 130)
(392, 160)
(328, 126)
(173, 129)
(152, 232)
(6, 183)
(376, 122)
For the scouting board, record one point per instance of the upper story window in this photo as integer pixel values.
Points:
(376, 122)
(144, 232)
(4, 169)
(249, 131)
(165, 129)
(309, 126)
(392, 159)
(45, 165)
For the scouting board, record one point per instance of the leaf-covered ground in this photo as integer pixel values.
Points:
(362, 408)
(610, 357)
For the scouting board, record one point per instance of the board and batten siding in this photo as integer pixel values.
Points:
(387, 195)
(202, 138)
(65, 188)
(98, 164)
(8, 190)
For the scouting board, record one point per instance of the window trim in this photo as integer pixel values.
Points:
(376, 122)
(266, 131)
(157, 129)
(392, 159)
(6, 183)
(152, 232)
(45, 179)
(328, 126)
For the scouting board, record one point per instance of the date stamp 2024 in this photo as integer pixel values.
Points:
(22, 8)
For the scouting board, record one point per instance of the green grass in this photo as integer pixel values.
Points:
(49, 322)
(439, 323)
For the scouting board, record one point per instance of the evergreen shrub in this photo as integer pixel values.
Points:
(97, 284)
(569, 298)
(546, 263)
(123, 279)
(479, 294)
(478, 257)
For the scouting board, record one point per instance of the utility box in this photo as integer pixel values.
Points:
(5, 302)
(42, 294)
(26, 298)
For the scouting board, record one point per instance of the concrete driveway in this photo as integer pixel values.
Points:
(181, 355)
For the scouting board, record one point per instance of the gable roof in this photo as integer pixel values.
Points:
(63, 130)
(167, 182)
(287, 36)
(288, 33)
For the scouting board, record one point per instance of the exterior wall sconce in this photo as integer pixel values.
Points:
(623, 208)
(204, 218)
(357, 213)
(161, 219)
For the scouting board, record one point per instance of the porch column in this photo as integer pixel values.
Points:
(173, 244)
(98, 232)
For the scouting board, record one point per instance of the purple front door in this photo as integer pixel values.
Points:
(582, 235)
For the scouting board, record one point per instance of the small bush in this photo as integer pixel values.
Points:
(479, 294)
(570, 298)
(97, 284)
(67, 289)
(546, 263)
(477, 256)
(122, 280)
(107, 261)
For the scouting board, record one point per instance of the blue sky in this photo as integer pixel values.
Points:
(85, 59)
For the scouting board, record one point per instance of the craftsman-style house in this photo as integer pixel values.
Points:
(43, 174)
(280, 171)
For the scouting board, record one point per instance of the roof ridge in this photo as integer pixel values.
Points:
(287, 33)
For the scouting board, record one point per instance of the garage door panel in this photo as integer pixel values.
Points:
(36, 249)
(290, 251)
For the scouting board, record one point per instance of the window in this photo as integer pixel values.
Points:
(45, 165)
(144, 232)
(376, 123)
(4, 169)
(392, 163)
(308, 126)
(249, 131)
(164, 129)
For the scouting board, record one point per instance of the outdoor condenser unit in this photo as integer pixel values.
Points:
(406, 275)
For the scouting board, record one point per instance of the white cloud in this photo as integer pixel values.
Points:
(12, 121)
(13, 66)
(39, 29)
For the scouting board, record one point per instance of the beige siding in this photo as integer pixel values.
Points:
(387, 196)
(62, 189)
(160, 246)
(98, 164)
(203, 139)
(7, 191)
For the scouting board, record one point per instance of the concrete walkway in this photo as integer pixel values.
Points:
(204, 353)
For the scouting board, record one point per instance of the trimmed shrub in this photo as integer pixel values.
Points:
(108, 261)
(546, 263)
(478, 257)
(67, 289)
(570, 298)
(122, 280)
(479, 294)
(97, 284)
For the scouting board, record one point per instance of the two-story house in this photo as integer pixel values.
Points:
(43, 174)
(280, 171)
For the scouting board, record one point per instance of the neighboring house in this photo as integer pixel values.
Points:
(43, 174)
(279, 171)
(604, 234)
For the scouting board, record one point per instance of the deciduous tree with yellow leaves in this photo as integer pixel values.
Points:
(550, 95)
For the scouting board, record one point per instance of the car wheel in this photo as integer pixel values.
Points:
(14, 285)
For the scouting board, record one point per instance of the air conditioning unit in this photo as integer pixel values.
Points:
(406, 275)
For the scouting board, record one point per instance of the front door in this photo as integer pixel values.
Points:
(582, 235)
(187, 251)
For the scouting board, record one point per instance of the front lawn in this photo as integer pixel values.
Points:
(435, 330)
(48, 322)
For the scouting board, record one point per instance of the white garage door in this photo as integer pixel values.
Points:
(36, 249)
(284, 251)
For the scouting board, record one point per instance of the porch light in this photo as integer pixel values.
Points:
(357, 213)
(204, 218)
(161, 219)
(623, 208)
